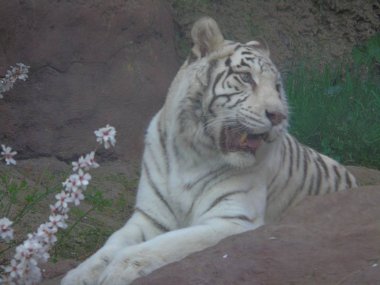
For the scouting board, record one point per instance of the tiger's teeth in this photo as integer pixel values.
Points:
(244, 138)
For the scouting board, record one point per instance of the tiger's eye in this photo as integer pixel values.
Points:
(246, 77)
(278, 87)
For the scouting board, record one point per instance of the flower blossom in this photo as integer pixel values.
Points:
(8, 154)
(62, 200)
(106, 136)
(84, 178)
(6, 231)
(57, 221)
(76, 197)
(85, 163)
(20, 71)
(72, 183)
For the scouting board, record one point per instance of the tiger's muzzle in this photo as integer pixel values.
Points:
(240, 138)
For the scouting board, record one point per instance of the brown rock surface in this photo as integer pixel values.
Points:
(92, 63)
(334, 239)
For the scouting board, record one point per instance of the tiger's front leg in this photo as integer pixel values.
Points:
(88, 272)
(142, 259)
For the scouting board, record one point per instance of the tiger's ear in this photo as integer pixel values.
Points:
(262, 47)
(206, 37)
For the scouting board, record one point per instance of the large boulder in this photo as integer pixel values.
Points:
(332, 239)
(91, 63)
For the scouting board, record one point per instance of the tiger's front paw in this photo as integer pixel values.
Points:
(126, 268)
(88, 272)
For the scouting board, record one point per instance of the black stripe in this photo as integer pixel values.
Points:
(319, 177)
(348, 180)
(337, 178)
(290, 159)
(274, 179)
(221, 198)
(324, 165)
(162, 135)
(143, 238)
(304, 178)
(211, 68)
(311, 183)
(238, 79)
(291, 156)
(306, 163)
(298, 153)
(153, 158)
(251, 58)
(241, 100)
(206, 184)
(244, 63)
(153, 221)
(239, 217)
(156, 190)
(200, 179)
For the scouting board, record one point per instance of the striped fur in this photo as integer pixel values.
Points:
(218, 161)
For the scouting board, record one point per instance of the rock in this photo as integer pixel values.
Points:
(365, 175)
(91, 63)
(332, 239)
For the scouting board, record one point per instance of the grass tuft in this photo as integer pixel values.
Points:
(336, 109)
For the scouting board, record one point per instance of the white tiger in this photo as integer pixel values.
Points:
(218, 161)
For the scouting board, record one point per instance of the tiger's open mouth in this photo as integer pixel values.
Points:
(241, 139)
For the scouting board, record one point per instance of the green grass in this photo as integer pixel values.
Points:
(336, 109)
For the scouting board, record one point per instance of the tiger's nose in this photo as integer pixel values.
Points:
(275, 117)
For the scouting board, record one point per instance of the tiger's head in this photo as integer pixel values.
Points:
(235, 95)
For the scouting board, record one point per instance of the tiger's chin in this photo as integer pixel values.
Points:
(240, 159)
(243, 149)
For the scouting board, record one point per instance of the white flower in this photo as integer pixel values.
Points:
(27, 249)
(62, 200)
(90, 160)
(106, 136)
(81, 163)
(21, 71)
(56, 209)
(84, 178)
(57, 221)
(8, 154)
(72, 183)
(6, 231)
(77, 197)
(14, 270)
(85, 163)
(46, 234)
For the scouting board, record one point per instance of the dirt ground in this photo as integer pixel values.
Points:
(99, 62)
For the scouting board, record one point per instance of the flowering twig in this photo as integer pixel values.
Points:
(23, 268)
(20, 71)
